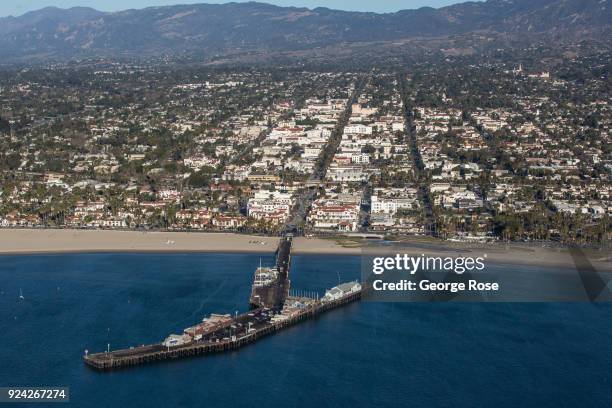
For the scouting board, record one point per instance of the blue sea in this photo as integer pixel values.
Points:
(366, 354)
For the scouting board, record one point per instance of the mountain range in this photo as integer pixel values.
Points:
(218, 29)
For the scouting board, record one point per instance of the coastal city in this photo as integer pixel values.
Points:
(235, 203)
(460, 151)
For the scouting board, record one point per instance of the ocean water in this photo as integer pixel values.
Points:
(366, 354)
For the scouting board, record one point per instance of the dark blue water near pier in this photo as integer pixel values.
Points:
(366, 354)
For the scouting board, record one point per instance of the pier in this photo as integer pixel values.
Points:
(213, 344)
(274, 294)
(272, 309)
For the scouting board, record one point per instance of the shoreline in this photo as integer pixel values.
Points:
(60, 241)
(49, 241)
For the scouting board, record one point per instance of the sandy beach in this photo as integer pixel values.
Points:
(31, 241)
(15, 241)
(514, 254)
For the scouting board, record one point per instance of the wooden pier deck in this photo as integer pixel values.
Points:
(158, 352)
(275, 294)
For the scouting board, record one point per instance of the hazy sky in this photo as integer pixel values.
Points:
(18, 7)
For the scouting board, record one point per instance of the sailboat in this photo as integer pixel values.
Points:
(21, 294)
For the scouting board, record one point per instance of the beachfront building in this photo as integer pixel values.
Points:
(334, 215)
(272, 206)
